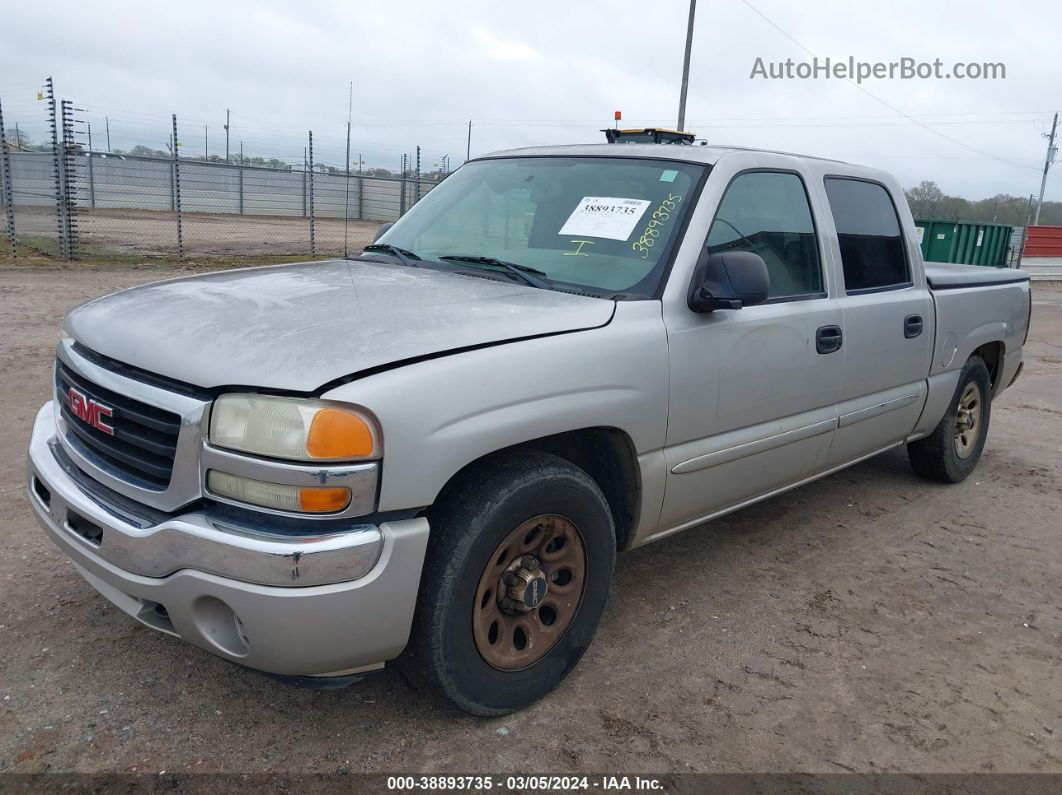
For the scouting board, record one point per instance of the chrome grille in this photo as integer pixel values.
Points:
(144, 443)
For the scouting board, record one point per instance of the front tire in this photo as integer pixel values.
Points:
(951, 452)
(519, 565)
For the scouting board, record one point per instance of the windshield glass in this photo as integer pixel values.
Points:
(602, 223)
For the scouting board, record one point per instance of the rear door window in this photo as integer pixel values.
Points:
(868, 230)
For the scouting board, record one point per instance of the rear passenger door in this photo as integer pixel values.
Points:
(887, 319)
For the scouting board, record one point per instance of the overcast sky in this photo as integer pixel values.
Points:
(547, 72)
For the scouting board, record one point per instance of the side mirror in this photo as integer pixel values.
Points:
(728, 280)
(383, 228)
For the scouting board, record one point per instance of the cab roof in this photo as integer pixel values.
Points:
(706, 155)
(695, 154)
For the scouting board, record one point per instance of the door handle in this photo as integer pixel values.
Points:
(828, 339)
(912, 326)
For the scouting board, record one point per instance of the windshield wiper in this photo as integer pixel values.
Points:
(404, 256)
(525, 273)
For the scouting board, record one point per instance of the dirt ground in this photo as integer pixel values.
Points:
(869, 621)
(149, 233)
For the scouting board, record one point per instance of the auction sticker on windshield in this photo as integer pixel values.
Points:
(604, 216)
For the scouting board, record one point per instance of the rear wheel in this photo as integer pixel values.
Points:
(951, 452)
(519, 565)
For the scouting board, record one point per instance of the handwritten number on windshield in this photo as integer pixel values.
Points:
(661, 215)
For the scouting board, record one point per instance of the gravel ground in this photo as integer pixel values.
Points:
(869, 621)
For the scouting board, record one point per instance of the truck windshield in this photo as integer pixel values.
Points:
(606, 224)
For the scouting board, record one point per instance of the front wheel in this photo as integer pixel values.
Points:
(519, 565)
(952, 451)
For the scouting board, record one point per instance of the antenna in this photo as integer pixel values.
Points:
(346, 187)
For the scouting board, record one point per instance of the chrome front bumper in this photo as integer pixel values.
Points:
(313, 605)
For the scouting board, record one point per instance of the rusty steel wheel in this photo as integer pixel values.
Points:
(950, 453)
(529, 592)
(516, 577)
(968, 420)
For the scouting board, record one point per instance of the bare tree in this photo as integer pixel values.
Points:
(925, 199)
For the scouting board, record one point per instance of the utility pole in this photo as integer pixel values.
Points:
(206, 143)
(226, 135)
(1048, 162)
(468, 150)
(107, 122)
(90, 136)
(686, 68)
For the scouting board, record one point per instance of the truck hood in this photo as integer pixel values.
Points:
(297, 327)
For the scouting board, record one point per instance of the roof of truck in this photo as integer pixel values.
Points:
(693, 153)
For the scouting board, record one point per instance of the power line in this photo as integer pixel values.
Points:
(888, 105)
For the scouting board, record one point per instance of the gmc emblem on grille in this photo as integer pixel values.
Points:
(88, 410)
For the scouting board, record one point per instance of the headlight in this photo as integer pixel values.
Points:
(292, 428)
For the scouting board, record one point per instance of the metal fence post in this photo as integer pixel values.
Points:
(241, 177)
(416, 188)
(313, 245)
(346, 189)
(92, 180)
(402, 190)
(69, 179)
(6, 190)
(60, 226)
(177, 189)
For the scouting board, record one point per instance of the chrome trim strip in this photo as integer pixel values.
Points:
(761, 497)
(728, 454)
(877, 409)
(196, 540)
(360, 478)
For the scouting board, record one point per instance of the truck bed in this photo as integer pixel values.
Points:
(976, 305)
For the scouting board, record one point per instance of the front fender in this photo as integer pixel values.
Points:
(440, 415)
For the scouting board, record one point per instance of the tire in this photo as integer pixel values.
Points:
(450, 653)
(946, 455)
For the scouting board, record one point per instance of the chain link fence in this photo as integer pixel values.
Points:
(63, 199)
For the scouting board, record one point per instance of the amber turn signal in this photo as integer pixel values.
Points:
(339, 434)
(318, 500)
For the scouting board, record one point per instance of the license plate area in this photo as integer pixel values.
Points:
(87, 529)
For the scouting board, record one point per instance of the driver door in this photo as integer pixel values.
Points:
(754, 390)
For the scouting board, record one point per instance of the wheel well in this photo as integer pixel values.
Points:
(605, 454)
(992, 354)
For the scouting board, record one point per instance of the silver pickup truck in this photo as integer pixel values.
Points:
(432, 453)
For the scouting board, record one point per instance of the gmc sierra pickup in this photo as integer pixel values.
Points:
(432, 452)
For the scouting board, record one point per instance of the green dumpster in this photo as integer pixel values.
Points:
(959, 242)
